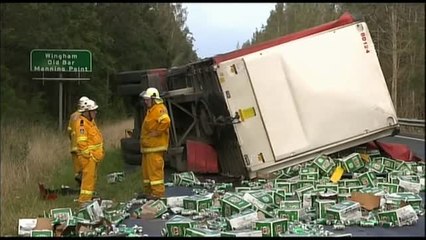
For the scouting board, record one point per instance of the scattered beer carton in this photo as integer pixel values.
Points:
(242, 233)
(388, 187)
(324, 163)
(185, 179)
(201, 232)
(115, 177)
(61, 213)
(197, 202)
(328, 187)
(411, 198)
(291, 204)
(321, 207)
(41, 233)
(293, 215)
(261, 199)
(232, 204)
(272, 227)
(344, 211)
(352, 162)
(177, 226)
(309, 173)
(376, 165)
(352, 182)
(243, 220)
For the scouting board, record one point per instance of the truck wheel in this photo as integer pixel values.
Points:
(205, 118)
(132, 158)
(130, 145)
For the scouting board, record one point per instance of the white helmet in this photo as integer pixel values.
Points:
(82, 99)
(88, 105)
(150, 93)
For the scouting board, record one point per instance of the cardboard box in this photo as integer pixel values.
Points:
(412, 199)
(272, 227)
(305, 183)
(26, 225)
(293, 215)
(324, 163)
(41, 233)
(309, 173)
(278, 197)
(301, 191)
(321, 205)
(367, 201)
(343, 190)
(342, 197)
(368, 179)
(175, 201)
(242, 233)
(291, 204)
(377, 166)
(328, 187)
(241, 220)
(390, 164)
(115, 177)
(177, 226)
(352, 162)
(260, 199)
(91, 213)
(355, 188)
(232, 204)
(373, 190)
(352, 182)
(201, 232)
(344, 211)
(61, 213)
(388, 187)
(197, 202)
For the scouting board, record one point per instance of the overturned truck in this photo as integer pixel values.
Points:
(271, 105)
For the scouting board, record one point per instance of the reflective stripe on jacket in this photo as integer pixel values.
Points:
(89, 140)
(156, 120)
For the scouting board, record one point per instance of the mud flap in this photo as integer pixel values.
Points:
(201, 157)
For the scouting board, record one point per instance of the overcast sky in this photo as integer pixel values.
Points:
(218, 27)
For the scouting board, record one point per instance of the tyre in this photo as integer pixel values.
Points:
(130, 145)
(132, 158)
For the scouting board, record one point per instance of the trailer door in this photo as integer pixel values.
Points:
(240, 100)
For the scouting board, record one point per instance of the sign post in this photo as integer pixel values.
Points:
(61, 61)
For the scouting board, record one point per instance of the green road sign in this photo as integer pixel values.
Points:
(60, 60)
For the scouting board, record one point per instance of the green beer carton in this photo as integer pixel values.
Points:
(291, 204)
(322, 205)
(352, 182)
(241, 220)
(41, 233)
(293, 215)
(368, 179)
(328, 187)
(177, 226)
(388, 187)
(272, 227)
(352, 162)
(324, 163)
(344, 211)
(309, 173)
(242, 233)
(197, 202)
(201, 232)
(232, 204)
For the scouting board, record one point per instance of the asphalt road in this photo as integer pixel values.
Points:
(154, 227)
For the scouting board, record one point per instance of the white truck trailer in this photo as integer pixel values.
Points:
(277, 103)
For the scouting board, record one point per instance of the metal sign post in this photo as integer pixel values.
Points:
(60, 61)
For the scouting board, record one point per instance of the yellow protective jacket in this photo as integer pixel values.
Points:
(89, 139)
(71, 131)
(156, 121)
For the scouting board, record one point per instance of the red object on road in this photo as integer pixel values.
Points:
(395, 151)
(201, 157)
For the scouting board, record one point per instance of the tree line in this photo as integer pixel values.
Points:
(398, 33)
(125, 37)
(120, 36)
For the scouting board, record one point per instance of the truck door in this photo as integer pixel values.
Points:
(240, 99)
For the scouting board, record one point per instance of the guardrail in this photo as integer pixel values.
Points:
(411, 122)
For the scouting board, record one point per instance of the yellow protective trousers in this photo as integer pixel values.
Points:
(153, 174)
(89, 175)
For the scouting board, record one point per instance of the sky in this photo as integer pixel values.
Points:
(218, 27)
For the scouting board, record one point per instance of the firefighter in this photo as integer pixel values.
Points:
(90, 149)
(71, 133)
(154, 143)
